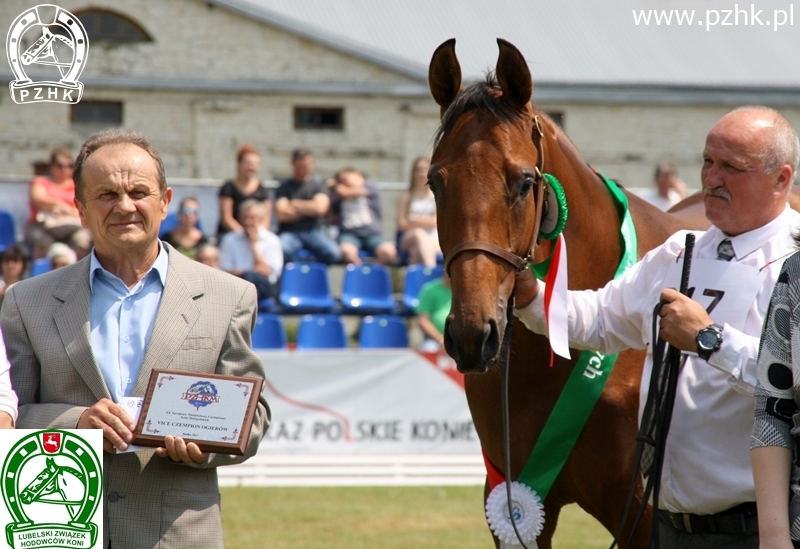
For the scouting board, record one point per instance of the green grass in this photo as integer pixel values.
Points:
(368, 517)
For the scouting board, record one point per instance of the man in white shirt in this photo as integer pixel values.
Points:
(669, 190)
(707, 496)
(253, 253)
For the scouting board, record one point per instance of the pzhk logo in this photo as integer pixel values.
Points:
(200, 394)
(52, 486)
(60, 44)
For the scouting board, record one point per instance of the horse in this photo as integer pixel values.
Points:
(484, 173)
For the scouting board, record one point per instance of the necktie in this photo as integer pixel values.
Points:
(725, 250)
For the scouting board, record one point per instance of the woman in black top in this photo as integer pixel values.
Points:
(235, 191)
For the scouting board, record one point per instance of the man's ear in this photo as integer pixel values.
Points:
(79, 206)
(166, 198)
(785, 178)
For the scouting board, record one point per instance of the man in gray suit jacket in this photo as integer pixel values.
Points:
(83, 337)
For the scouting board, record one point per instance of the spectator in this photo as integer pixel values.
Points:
(60, 255)
(208, 254)
(357, 202)
(54, 217)
(301, 203)
(12, 267)
(253, 252)
(416, 219)
(435, 300)
(235, 191)
(186, 237)
(669, 190)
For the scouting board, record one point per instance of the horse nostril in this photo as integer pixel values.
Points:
(449, 344)
(491, 344)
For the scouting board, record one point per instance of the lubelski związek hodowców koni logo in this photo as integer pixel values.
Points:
(51, 44)
(52, 483)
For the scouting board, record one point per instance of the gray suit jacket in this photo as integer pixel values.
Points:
(204, 323)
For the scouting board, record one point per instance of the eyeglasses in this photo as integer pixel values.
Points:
(187, 211)
(64, 166)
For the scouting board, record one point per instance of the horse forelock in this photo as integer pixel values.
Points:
(483, 95)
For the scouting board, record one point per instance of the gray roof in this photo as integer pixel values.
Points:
(584, 42)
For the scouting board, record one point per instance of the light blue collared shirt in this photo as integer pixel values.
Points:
(122, 321)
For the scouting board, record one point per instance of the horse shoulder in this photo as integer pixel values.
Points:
(654, 226)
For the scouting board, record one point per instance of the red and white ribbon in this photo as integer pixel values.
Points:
(555, 299)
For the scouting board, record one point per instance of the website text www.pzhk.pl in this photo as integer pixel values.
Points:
(739, 16)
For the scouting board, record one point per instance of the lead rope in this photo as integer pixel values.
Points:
(506, 418)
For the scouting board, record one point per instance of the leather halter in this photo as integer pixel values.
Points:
(520, 263)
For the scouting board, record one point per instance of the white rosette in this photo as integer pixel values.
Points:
(528, 513)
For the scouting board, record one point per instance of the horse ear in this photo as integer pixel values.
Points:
(513, 75)
(444, 74)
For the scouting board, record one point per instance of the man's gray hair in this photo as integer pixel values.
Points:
(115, 137)
(252, 204)
(785, 147)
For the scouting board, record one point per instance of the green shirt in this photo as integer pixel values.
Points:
(435, 300)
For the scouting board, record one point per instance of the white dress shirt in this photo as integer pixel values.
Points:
(707, 464)
(235, 253)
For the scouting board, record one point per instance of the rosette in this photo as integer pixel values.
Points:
(528, 513)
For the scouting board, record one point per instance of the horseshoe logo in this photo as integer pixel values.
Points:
(63, 44)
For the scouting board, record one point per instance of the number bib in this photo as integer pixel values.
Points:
(726, 290)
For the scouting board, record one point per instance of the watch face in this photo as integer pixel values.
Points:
(708, 339)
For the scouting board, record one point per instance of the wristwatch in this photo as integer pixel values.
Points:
(708, 340)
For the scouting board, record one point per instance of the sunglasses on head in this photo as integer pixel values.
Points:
(186, 210)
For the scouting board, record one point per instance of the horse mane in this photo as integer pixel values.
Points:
(482, 95)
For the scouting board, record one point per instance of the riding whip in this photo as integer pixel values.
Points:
(657, 413)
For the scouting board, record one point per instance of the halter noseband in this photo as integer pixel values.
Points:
(516, 261)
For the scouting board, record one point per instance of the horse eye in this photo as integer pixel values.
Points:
(526, 186)
(432, 187)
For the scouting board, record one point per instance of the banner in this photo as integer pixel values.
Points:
(366, 402)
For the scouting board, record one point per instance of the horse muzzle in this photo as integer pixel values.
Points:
(474, 347)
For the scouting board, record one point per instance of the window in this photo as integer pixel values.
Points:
(107, 113)
(319, 118)
(107, 26)
(557, 117)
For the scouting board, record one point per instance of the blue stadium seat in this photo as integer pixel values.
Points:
(383, 331)
(304, 255)
(416, 277)
(170, 222)
(367, 289)
(321, 331)
(269, 332)
(268, 304)
(305, 288)
(7, 235)
(41, 266)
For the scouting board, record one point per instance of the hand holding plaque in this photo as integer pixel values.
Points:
(214, 411)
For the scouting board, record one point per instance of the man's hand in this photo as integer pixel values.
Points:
(115, 422)
(681, 319)
(252, 234)
(526, 288)
(176, 449)
(6, 421)
(263, 268)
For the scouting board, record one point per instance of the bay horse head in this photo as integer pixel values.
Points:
(486, 176)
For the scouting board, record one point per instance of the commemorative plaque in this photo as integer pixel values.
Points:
(214, 411)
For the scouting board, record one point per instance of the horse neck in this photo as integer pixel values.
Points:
(593, 226)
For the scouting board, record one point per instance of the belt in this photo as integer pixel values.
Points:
(733, 521)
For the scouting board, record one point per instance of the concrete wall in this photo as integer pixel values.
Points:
(198, 131)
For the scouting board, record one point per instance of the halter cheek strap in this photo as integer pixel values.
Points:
(518, 262)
